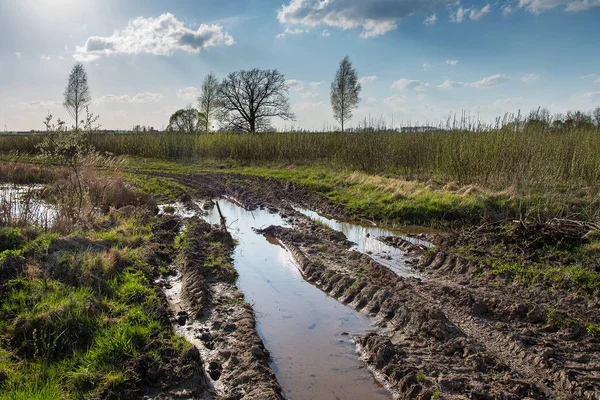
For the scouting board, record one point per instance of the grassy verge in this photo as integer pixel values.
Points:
(382, 198)
(78, 311)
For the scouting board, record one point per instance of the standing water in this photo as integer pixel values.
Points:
(301, 326)
(365, 239)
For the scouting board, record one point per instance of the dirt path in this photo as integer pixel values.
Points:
(453, 334)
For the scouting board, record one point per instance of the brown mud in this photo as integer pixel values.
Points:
(210, 311)
(459, 332)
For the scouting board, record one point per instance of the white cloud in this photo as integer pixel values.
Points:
(371, 100)
(395, 100)
(432, 19)
(591, 97)
(367, 79)
(298, 86)
(426, 66)
(409, 84)
(448, 84)
(375, 17)
(138, 98)
(45, 57)
(188, 93)
(595, 78)
(158, 36)
(459, 15)
(325, 33)
(452, 62)
(295, 85)
(490, 81)
(35, 104)
(530, 77)
(486, 82)
(289, 31)
(507, 9)
(475, 14)
(18, 54)
(539, 6)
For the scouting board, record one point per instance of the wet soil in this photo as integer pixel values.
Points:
(209, 310)
(455, 332)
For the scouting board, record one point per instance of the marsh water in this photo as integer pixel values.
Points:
(304, 329)
(365, 239)
(19, 204)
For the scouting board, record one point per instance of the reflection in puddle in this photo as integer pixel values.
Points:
(20, 206)
(301, 326)
(365, 239)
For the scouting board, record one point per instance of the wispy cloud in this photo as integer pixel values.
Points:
(138, 98)
(45, 57)
(289, 31)
(531, 77)
(432, 19)
(188, 93)
(539, 6)
(367, 79)
(18, 54)
(158, 36)
(410, 84)
(325, 33)
(452, 63)
(490, 81)
(460, 13)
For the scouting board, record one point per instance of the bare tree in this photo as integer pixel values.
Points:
(344, 92)
(596, 114)
(185, 121)
(207, 101)
(249, 99)
(77, 94)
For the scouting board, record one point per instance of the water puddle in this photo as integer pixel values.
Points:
(304, 329)
(20, 205)
(365, 240)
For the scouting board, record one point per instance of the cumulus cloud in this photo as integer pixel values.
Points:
(410, 84)
(138, 98)
(375, 17)
(530, 77)
(475, 14)
(326, 33)
(432, 19)
(367, 79)
(188, 93)
(539, 6)
(159, 36)
(448, 84)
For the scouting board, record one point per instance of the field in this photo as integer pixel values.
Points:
(507, 309)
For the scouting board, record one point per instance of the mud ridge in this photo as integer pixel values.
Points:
(419, 353)
(221, 325)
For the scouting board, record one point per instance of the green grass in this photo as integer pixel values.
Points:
(570, 277)
(72, 331)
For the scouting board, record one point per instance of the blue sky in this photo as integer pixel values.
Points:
(419, 60)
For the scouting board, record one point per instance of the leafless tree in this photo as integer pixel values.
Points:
(596, 114)
(207, 101)
(77, 94)
(344, 92)
(249, 99)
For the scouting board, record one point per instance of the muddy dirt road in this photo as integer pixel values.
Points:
(452, 332)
